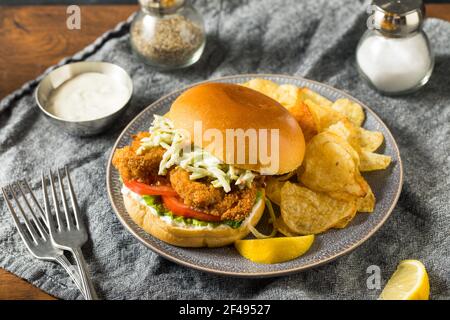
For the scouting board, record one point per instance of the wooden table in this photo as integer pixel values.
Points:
(33, 38)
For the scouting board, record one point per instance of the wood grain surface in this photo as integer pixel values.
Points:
(32, 38)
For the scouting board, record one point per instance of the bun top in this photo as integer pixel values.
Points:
(240, 126)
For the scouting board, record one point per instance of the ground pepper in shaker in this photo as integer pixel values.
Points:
(394, 55)
(167, 34)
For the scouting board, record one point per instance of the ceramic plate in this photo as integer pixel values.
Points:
(386, 185)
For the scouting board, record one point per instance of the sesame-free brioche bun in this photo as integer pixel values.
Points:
(190, 237)
(223, 106)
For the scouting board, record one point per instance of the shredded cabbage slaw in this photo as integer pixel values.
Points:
(198, 162)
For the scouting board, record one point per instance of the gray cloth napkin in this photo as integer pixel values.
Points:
(312, 39)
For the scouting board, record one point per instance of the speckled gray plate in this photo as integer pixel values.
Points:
(386, 185)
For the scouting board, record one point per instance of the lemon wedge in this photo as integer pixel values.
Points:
(409, 282)
(274, 250)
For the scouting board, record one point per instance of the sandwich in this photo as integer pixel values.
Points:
(196, 178)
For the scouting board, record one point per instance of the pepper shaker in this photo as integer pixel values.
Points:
(394, 54)
(168, 34)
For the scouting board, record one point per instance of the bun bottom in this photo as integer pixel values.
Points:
(190, 237)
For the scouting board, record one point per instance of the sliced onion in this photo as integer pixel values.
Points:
(259, 235)
(271, 212)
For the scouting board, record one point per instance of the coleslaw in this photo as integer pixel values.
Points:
(198, 162)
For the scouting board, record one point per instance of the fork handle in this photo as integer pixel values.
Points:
(89, 289)
(72, 271)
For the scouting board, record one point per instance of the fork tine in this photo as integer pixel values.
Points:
(23, 234)
(38, 205)
(36, 221)
(30, 227)
(55, 202)
(50, 220)
(63, 197)
(73, 199)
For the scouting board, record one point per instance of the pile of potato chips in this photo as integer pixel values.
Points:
(330, 189)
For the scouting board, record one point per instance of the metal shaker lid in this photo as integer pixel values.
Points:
(164, 6)
(398, 17)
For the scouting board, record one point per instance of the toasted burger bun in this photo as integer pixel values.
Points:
(190, 237)
(223, 106)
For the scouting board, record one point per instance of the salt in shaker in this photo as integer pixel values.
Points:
(394, 55)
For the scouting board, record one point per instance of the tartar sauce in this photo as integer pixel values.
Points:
(88, 96)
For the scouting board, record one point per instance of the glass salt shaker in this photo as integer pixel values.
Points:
(394, 55)
(168, 34)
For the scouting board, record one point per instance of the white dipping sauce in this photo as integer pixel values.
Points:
(88, 96)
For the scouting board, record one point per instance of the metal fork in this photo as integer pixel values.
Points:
(68, 232)
(34, 234)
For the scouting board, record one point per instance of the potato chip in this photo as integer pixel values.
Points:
(273, 190)
(329, 165)
(342, 195)
(367, 203)
(315, 113)
(369, 140)
(352, 110)
(308, 94)
(360, 188)
(337, 150)
(307, 212)
(282, 227)
(305, 119)
(364, 204)
(341, 224)
(289, 96)
(373, 161)
(323, 114)
(346, 130)
(267, 87)
(363, 142)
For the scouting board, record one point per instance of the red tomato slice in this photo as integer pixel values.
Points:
(176, 205)
(145, 189)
